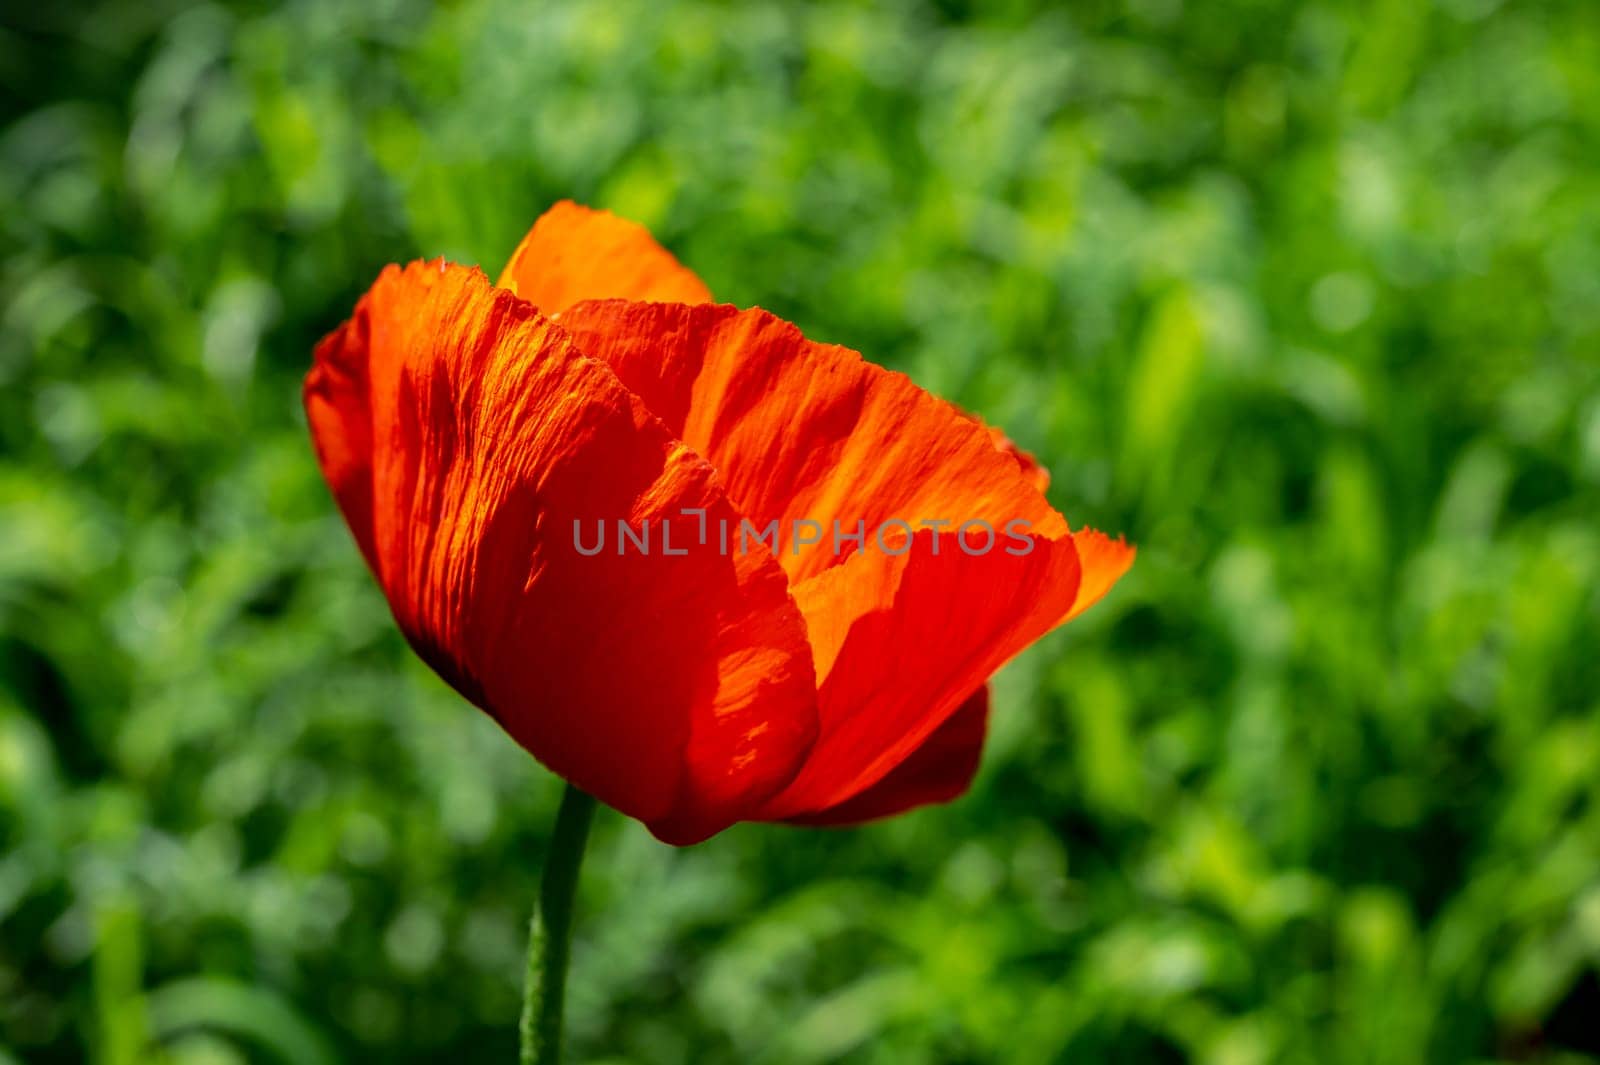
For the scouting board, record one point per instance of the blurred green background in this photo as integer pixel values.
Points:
(1304, 297)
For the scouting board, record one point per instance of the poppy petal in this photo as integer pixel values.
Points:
(908, 648)
(938, 771)
(576, 253)
(1036, 474)
(464, 436)
(1104, 562)
(861, 623)
(803, 431)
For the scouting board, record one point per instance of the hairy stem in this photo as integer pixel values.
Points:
(550, 933)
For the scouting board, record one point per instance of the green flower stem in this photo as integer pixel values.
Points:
(550, 933)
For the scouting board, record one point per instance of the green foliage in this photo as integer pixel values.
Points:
(1303, 297)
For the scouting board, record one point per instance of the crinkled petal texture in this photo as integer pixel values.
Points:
(573, 253)
(829, 681)
(904, 632)
(463, 435)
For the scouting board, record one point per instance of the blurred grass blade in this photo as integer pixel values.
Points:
(256, 1015)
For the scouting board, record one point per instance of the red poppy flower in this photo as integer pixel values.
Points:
(471, 432)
